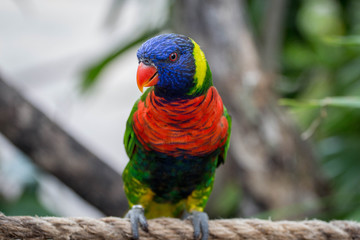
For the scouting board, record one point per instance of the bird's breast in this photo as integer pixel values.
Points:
(189, 127)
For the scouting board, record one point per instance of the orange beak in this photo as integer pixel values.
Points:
(146, 76)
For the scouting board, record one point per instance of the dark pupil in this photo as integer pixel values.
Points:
(173, 56)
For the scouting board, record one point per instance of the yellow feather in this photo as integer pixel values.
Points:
(198, 199)
(200, 63)
(155, 210)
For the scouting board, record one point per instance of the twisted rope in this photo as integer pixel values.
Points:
(24, 227)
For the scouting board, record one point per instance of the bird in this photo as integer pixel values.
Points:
(177, 134)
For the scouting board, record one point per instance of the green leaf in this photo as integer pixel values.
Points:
(295, 103)
(346, 41)
(349, 102)
(345, 102)
(92, 73)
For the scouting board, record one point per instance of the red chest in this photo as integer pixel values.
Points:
(194, 127)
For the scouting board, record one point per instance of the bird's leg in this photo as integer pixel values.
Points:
(136, 216)
(200, 222)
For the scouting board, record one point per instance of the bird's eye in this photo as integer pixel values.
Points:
(173, 57)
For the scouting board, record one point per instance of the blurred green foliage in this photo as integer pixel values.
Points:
(92, 73)
(20, 187)
(320, 79)
(346, 102)
(27, 204)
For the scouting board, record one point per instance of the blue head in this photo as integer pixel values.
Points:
(175, 65)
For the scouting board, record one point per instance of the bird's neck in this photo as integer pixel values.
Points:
(173, 94)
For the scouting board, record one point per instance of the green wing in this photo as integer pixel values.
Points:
(225, 148)
(129, 136)
(136, 192)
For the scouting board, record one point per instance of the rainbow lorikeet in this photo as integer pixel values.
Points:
(177, 134)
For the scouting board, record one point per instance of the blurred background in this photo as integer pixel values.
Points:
(288, 71)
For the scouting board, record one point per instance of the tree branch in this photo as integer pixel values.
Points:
(272, 33)
(55, 151)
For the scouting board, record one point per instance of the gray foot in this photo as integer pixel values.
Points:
(136, 216)
(200, 221)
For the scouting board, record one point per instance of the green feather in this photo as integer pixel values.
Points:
(129, 136)
(223, 154)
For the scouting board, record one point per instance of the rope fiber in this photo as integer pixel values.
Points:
(25, 227)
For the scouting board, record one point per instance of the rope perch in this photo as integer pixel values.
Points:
(24, 227)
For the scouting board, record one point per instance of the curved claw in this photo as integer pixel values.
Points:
(136, 216)
(200, 221)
